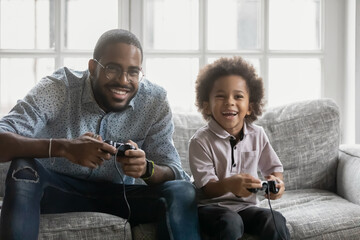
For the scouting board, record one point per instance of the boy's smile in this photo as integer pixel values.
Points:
(229, 103)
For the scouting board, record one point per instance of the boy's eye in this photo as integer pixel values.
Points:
(219, 96)
(238, 96)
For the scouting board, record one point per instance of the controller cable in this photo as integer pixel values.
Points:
(124, 191)
(272, 213)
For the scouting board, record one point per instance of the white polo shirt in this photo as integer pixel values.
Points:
(210, 156)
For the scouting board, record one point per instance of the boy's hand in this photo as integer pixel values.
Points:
(240, 183)
(279, 184)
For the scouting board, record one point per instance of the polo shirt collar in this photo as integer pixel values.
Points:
(215, 127)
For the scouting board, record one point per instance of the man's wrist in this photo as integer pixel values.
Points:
(150, 166)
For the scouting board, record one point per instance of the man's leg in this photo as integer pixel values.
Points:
(259, 221)
(26, 183)
(20, 212)
(171, 204)
(220, 223)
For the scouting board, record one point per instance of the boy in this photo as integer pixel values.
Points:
(226, 154)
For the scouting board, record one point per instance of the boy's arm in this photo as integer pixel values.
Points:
(279, 178)
(236, 184)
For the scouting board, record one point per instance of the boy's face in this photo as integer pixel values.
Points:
(229, 103)
(114, 95)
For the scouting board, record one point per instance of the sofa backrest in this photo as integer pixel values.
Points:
(305, 135)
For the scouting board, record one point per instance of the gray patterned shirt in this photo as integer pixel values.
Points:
(63, 106)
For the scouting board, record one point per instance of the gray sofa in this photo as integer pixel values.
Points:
(322, 197)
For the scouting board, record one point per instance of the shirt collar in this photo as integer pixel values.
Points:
(222, 133)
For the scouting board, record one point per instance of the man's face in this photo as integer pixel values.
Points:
(114, 95)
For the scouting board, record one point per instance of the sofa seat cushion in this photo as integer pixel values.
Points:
(83, 225)
(318, 214)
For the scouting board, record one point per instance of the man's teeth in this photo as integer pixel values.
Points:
(121, 92)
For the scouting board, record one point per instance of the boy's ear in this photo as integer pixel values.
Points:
(249, 110)
(206, 108)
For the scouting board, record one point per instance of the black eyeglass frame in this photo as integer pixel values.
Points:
(120, 72)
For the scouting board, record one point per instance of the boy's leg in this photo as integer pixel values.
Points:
(220, 223)
(259, 221)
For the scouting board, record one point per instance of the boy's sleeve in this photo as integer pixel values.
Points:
(269, 161)
(201, 164)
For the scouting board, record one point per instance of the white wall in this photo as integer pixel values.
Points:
(357, 73)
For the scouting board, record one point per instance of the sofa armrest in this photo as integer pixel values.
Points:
(348, 173)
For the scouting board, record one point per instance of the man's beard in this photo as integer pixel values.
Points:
(103, 101)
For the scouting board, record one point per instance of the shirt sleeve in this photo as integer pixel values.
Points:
(31, 114)
(159, 145)
(201, 164)
(269, 162)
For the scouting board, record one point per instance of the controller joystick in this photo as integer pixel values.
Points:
(121, 147)
(266, 185)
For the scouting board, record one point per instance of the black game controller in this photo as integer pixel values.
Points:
(266, 185)
(121, 147)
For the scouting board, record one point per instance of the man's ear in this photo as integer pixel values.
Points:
(92, 67)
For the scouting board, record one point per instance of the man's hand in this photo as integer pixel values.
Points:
(88, 150)
(134, 161)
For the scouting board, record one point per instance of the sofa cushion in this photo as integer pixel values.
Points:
(306, 136)
(186, 124)
(318, 214)
(83, 225)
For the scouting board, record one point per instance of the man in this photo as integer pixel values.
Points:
(60, 163)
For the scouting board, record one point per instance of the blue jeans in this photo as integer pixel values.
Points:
(32, 190)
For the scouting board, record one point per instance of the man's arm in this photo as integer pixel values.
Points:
(85, 150)
(14, 146)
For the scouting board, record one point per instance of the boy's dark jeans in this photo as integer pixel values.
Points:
(31, 189)
(222, 223)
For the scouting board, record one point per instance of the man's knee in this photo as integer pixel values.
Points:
(181, 191)
(23, 170)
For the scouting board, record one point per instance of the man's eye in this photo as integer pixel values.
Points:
(113, 68)
(133, 72)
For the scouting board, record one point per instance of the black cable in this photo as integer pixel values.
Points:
(272, 213)
(124, 192)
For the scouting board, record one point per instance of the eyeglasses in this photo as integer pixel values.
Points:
(113, 72)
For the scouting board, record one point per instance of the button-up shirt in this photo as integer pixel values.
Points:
(212, 157)
(63, 106)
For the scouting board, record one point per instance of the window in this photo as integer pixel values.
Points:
(181, 36)
(39, 36)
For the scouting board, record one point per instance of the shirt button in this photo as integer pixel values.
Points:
(234, 165)
(235, 147)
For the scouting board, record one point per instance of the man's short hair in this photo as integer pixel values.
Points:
(115, 36)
